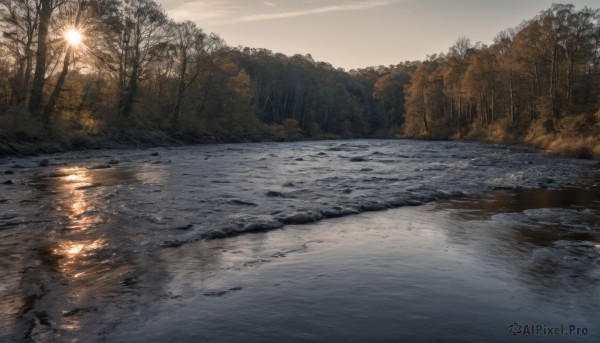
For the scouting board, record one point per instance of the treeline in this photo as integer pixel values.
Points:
(540, 81)
(321, 101)
(139, 73)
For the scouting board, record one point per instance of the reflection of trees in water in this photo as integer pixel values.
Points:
(555, 253)
(72, 265)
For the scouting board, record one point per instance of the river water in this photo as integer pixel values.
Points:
(203, 243)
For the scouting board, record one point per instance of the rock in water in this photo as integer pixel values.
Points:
(242, 203)
(185, 228)
(358, 159)
(72, 312)
(101, 166)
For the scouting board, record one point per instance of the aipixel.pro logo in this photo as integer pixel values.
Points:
(517, 329)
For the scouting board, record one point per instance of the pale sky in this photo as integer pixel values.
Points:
(357, 33)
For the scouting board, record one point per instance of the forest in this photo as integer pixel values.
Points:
(110, 73)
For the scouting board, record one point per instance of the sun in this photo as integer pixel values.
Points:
(73, 36)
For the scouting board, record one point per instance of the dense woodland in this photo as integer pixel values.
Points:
(538, 82)
(138, 76)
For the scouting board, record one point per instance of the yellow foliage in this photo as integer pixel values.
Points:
(288, 131)
(578, 136)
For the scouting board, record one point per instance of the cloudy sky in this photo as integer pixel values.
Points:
(357, 33)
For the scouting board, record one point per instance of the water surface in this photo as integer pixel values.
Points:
(460, 270)
(98, 237)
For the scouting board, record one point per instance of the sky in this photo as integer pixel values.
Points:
(357, 33)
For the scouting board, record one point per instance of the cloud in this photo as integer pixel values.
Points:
(226, 12)
(346, 7)
(201, 10)
(268, 3)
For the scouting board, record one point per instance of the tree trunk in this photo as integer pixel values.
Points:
(533, 102)
(451, 110)
(47, 114)
(424, 111)
(554, 81)
(512, 99)
(460, 112)
(571, 81)
(27, 76)
(553, 75)
(493, 105)
(127, 98)
(19, 90)
(37, 90)
(538, 87)
(180, 90)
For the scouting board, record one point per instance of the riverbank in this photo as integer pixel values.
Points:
(574, 136)
(23, 144)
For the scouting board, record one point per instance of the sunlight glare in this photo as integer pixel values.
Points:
(73, 36)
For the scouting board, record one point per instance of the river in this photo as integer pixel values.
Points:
(204, 243)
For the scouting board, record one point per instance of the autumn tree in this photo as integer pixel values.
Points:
(505, 56)
(424, 98)
(480, 84)
(388, 90)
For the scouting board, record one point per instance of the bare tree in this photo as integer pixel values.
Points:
(80, 6)
(136, 35)
(190, 47)
(19, 23)
(47, 7)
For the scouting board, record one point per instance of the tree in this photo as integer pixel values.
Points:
(504, 50)
(388, 90)
(135, 37)
(480, 84)
(424, 96)
(578, 44)
(47, 7)
(19, 23)
(189, 44)
(80, 6)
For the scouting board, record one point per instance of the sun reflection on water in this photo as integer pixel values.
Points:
(80, 212)
(80, 259)
(82, 215)
(77, 255)
(75, 177)
(75, 249)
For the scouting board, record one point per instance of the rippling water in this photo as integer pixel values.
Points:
(459, 270)
(98, 237)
